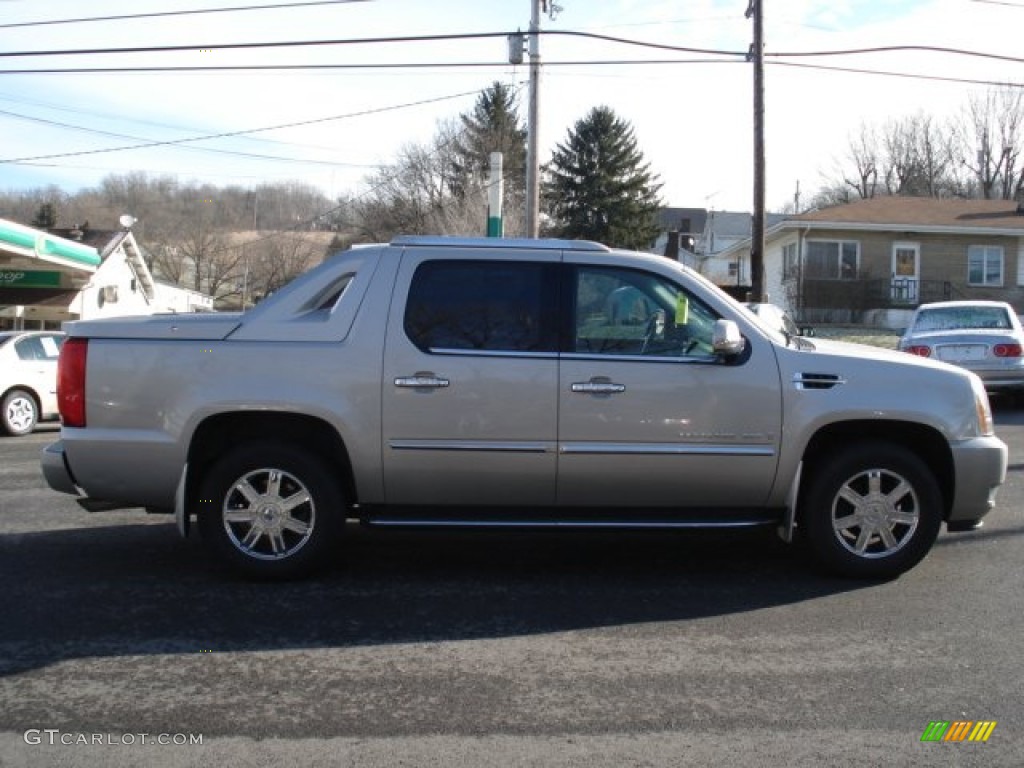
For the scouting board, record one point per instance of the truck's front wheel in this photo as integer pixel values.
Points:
(270, 510)
(872, 510)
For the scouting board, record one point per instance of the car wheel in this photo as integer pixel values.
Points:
(20, 413)
(270, 510)
(872, 511)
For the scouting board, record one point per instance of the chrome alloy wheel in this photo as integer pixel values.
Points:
(268, 514)
(875, 513)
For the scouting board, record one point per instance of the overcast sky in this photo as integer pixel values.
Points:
(692, 117)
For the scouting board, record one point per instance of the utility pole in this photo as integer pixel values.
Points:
(756, 55)
(533, 127)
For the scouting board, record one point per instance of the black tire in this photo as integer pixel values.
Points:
(20, 413)
(270, 511)
(873, 511)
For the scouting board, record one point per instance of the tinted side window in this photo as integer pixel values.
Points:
(487, 306)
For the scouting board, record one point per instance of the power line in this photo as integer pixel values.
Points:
(473, 65)
(487, 35)
(358, 41)
(251, 68)
(123, 17)
(236, 153)
(890, 73)
(152, 123)
(227, 134)
(898, 48)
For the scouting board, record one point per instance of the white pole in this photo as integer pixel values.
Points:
(495, 192)
(532, 162)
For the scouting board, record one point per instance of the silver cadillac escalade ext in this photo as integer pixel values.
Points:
(472, 382)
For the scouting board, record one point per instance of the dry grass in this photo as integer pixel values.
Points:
(859, 334)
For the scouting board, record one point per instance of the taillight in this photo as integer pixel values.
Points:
(1007, 350)
(71, 382)
(920, 350)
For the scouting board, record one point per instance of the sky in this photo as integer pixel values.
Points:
(691, 112)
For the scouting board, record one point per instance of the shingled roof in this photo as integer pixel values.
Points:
(914, 212)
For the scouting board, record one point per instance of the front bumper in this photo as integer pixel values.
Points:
(980, 468)
(56, 470)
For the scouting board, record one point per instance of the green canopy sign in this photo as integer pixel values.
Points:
(29, 278)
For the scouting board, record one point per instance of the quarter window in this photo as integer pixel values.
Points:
(832, 259)
(39, 347)
(483, 306)
(985, 265)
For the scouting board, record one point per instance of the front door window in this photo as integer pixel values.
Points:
(906, 261)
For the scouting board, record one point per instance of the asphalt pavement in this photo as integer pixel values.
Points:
(121, 644)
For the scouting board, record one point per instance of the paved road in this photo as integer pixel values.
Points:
(448, 649)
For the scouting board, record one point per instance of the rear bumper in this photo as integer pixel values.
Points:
(980, 469)
(55, 469)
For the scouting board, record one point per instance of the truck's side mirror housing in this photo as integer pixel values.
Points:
(726, 339)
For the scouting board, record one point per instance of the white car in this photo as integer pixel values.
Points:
(28, 379)
(985, 337)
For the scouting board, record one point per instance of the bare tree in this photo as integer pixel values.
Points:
(272, 262)
(917, 157)
(426, 191)
(990, 141)
(863, 154)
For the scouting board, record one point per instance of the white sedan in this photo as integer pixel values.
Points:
(982, 336)
(28, 379)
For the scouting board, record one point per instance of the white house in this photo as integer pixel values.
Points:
(47, 278)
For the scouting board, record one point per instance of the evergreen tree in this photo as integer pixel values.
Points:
(46, 217)
(493, 125)
(598, 186)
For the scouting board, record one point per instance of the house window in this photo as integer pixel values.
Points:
(790, 265)
(985, 265)
(832, 259)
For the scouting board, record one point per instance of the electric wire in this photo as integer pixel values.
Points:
(245, 131)
(486, 35)
(157, 14)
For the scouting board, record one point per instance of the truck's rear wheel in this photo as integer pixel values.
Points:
(872, 511)
(270, 510)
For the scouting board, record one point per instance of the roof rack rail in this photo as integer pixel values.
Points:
(547, 244)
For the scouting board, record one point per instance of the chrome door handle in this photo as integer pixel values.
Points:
(597, 388)
(422, 381)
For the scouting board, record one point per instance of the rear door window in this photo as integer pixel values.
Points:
(502, 306)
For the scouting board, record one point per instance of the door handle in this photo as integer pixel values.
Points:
(422, 381)
(593, 387)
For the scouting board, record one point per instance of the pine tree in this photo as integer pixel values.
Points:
(493, 125)
(598, 186)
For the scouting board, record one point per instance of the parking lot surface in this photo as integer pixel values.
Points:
(120, 644)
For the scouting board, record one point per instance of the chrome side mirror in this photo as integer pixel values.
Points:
(726, 339)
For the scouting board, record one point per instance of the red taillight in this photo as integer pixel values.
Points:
(71, 382)
(920, 350)
(1007, 350)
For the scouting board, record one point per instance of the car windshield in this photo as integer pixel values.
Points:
(958, 318)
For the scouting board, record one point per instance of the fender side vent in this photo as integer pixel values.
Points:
(816, 380)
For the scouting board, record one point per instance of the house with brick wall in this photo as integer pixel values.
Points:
(875, 260)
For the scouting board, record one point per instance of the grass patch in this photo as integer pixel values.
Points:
(859, 334)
